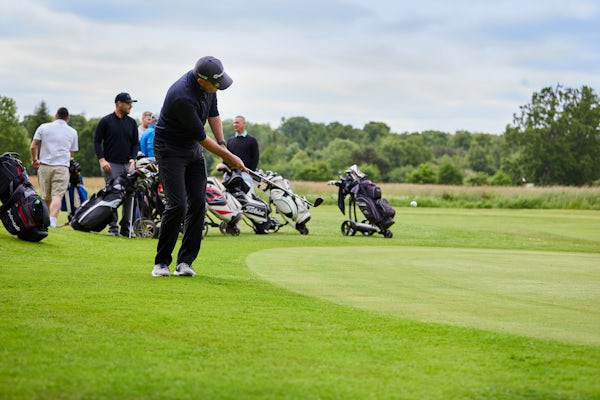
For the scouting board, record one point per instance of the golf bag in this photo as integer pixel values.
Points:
(286, 204)
(69, 203)
(224, 206)
(23, 211)
(253, 207)
(364, 193)
(149, 202)
(375, 208)
(97, 212)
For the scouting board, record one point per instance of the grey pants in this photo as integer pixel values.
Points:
(115, 171)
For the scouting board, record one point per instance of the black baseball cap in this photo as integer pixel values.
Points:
(210, 69)
(124, 98)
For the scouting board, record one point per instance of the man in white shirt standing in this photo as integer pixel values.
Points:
(52, 148)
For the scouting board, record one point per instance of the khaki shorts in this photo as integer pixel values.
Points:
(53, 180)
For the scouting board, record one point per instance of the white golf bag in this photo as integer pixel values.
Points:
(254, 209)
(289, 206)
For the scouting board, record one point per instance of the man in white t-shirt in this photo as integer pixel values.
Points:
(52, 148)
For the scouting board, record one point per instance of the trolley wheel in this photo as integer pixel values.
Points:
(223, 227)
(348, 228)
(145, 228)
(227, 229)
(388, 234)
(302, 229)
(234, 230)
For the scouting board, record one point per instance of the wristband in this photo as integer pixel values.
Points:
(221, 142)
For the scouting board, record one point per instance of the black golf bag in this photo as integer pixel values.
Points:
(375, 208)
(97, 212)
(364, 193)
(23, 211)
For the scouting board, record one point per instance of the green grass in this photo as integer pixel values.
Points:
(467, 304)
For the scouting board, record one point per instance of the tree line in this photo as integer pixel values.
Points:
(553, 140)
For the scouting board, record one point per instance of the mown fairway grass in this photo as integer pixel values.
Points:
(507, 308)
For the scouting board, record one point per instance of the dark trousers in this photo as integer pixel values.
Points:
(183, 176)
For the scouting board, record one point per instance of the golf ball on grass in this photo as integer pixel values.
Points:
(413, 203)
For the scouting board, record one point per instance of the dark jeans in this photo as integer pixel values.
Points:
(115, 171)
(183, 176)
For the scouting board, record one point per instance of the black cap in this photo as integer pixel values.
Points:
(210, 69)
(124, 98)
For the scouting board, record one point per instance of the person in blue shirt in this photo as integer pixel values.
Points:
(147, 139)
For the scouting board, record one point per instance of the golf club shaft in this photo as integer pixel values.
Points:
(263, 178)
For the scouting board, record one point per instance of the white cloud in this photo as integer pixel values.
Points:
(435, 65)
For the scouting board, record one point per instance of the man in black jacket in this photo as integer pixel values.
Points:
(178, 142)
(116, 146)
(244, 146)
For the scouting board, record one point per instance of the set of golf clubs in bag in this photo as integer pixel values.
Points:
(23, 213)
(228, 203)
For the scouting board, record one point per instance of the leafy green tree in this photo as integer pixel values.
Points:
(500, 179)
(478, 179)
(338, 154)
(339, 131)
(462, 140)
(291, 151)
(85, 137)
(399, 174)
(296, 130)
(41, 115)
(449, 173)
(376, 131)
(414, 151)
(372, 172)
(440, 143)
(13, 136)
(370, 155)
(391, 149)
(558, 136)
(424, 173)
(316, 171)
(478, 158)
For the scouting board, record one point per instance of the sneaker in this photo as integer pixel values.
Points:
(113, 233)
(161, 270)
(184, 269)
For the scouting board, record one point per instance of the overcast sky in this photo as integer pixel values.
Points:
(414, 65)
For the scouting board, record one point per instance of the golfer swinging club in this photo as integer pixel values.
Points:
(178, 146)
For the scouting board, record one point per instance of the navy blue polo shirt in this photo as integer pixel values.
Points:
(184, 112)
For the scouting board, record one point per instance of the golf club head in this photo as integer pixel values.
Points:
(222, 167)
(318, 202)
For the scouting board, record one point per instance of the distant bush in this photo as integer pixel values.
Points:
(500, 179)
(478, 179)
